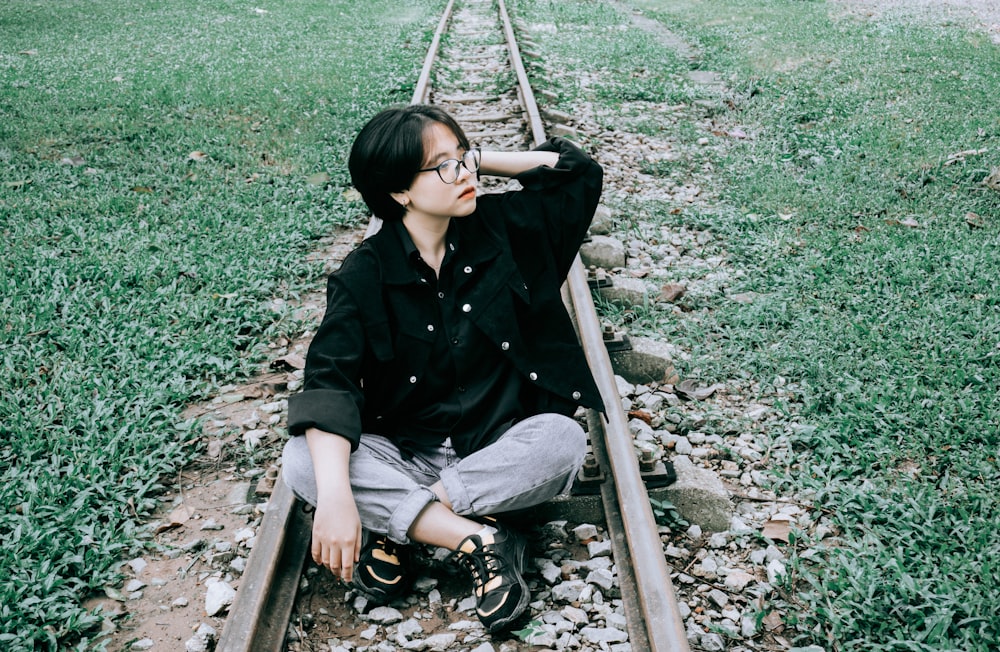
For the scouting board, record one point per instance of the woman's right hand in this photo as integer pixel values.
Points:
(336, 536)
(336, 541)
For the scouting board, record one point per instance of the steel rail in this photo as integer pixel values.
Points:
(422, 90)
(638, 549)
(259, 615)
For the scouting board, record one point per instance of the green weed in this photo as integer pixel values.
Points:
(155, 196)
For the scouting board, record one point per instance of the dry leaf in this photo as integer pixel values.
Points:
(292, 360)
(993, 181)
(959, 157)
(351, 195)
(671, 292)
(974, 220)
(75, 161)
(141, 189)
(642, 415)
(29, 53)
(688, 389)
(908, 222)
(197, 156)
(178, 517)
(777, 530)
(772, 621)
(252, 438)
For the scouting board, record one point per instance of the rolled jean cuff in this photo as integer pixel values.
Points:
(454, 488)
(406, 513)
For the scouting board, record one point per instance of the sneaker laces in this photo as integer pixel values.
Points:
(485, 565)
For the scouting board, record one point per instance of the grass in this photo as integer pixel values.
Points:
(163, 170)
(856, 213)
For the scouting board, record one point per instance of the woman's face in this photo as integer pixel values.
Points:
(428, 196)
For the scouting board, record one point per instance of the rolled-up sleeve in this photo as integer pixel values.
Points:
(331, 398)
(559, 200)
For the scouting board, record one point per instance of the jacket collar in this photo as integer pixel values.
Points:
(398, 255)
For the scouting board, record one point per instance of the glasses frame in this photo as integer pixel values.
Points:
(477, 156)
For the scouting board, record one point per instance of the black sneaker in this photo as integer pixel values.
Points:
(381, 572)
(496, 562)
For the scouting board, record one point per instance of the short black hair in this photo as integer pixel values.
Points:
(389, 151)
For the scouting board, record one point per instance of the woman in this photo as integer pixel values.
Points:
(440, 385)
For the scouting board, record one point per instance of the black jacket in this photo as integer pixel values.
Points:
(367, 359)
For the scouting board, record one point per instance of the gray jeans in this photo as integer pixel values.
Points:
(533, 461)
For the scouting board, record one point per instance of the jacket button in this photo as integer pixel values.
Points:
(413, 379)
(576, 396)
(533, 376)
(440, 295)
(467, 270)
(466, 308)
(430, 327)
(505, 345)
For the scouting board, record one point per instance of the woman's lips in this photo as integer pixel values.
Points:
(468, 193)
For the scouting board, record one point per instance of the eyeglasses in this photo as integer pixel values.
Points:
(448, 170)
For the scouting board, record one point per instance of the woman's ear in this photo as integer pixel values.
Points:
(400, 198)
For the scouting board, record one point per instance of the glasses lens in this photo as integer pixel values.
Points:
(471, 159)
(449, 170)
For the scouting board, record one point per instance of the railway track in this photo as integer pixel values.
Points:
(474, 70)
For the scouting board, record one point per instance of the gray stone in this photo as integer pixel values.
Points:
(440, 641)
(485, 647)
(625, 291)
(738, 580)
(699, 495)
(384, 615)
(598, 635)
(465, 625)
(601, 578)
(585, 532)
(134, 585)
(143, 644)
(718, 597)
(775, 570)
(649, 361)
(218, 596)
(603, 251)
(202, 639)
(617, 621)
(409, 628)
(550, 572)
(138, 565)
(571, 591)
(467, 604)
(542, 638)
(574, 615)
(424, 584)
(599, 548)
(597, 563)
(712, 642)
(603, 221)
